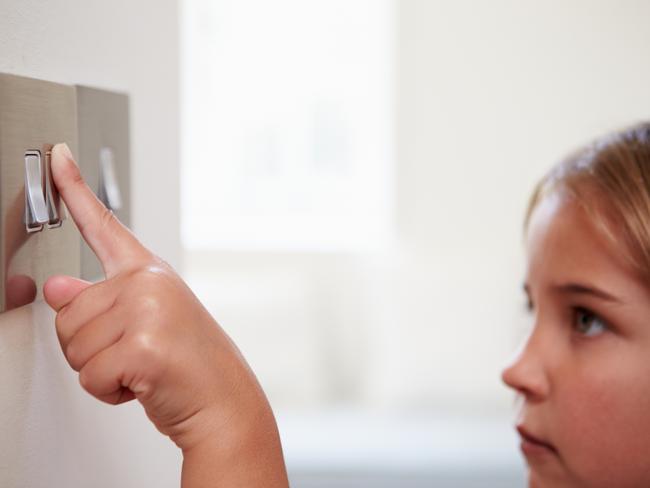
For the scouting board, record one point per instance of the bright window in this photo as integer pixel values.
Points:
(287, 135)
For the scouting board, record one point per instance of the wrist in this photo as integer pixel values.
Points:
(243, 451)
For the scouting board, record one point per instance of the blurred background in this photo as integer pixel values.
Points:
(354, 180)
(343, 184)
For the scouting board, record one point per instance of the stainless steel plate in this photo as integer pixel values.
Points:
(103, 119)
(34, 115)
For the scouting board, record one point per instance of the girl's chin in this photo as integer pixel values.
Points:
(547, 472)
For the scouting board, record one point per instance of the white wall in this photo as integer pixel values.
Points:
(491, 94)
(52, 433)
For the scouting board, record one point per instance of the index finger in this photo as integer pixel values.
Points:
(115, 246)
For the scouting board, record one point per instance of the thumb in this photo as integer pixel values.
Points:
(61, 290)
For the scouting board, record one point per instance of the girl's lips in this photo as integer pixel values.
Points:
(533, 446)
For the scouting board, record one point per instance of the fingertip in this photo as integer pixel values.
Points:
(64, 167)
(61, 149)
(60, 290)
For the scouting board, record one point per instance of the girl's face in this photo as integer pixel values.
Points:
(583, 374)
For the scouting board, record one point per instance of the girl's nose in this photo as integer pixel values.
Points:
(527, 374)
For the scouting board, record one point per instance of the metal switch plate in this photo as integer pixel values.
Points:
(104, 157)
(34, 115)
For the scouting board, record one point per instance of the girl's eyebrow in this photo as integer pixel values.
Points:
(577, 288)
(580, 289)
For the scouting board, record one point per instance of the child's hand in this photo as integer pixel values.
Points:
(143, 334)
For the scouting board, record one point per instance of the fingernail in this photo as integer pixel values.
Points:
(65, 151)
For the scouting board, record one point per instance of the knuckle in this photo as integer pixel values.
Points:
(149, 306)
(147, 347)
(151, 283)
(59, 321)
(149, 273)
(62, 325)
(153, 272)
(73, 356)
(115, 398)
(63, 311)
(85, 380)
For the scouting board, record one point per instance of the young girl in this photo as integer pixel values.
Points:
(583, 375)
(584, 372)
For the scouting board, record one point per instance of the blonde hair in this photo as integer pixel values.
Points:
(610, 178)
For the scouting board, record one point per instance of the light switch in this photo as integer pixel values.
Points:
(35, 209)
(104, 158)
(34, 115)
(55, 211)
(109, 188)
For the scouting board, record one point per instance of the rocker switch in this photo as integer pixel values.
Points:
(109, 190)
(36, 213)
(56, 214)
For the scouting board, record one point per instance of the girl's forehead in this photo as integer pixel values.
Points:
(558, 226)
(563, 244)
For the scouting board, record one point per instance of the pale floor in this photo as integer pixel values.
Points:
(395, 480)
(358, 449)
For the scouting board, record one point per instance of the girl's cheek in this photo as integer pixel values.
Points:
(603, 425)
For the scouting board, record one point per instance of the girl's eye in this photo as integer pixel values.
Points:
(530, 306)
(588, 324)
